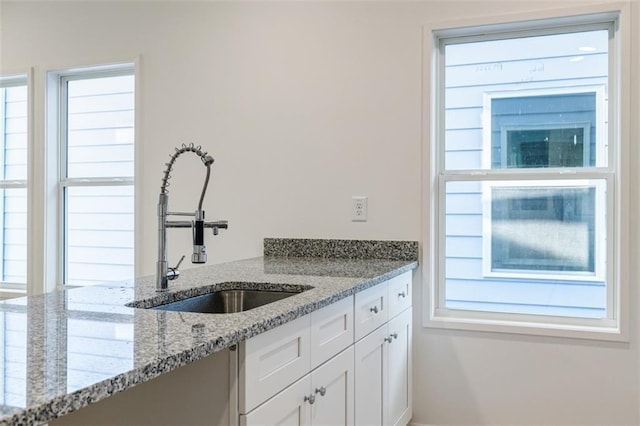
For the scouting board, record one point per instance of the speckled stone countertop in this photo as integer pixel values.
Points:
(65, 350)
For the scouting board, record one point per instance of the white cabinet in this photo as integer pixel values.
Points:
(323, 397)
(271, 361)
(399, 365)
(399, 294)
(331, 330)
(347, 363)
(285, 408)
(370, 354)
(333, 385)
(383, 363)
(371, 310)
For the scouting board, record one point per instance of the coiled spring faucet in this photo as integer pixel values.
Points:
(164, 273)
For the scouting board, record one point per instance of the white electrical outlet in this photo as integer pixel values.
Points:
(358, 209)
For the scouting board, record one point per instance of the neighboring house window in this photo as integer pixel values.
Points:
(13, 182)
(525, 174)
(545, 230)
(96, 189)
(542, 232)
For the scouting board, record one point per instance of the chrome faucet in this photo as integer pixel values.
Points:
(164, 273)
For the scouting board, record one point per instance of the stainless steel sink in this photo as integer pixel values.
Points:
(226, 301)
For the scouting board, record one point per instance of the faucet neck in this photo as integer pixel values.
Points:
(161, 265)
(164, 273)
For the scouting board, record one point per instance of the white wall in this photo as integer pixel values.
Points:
(303, 105)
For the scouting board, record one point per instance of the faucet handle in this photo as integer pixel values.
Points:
(179, 262)
(173, 273)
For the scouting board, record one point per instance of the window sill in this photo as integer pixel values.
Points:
(10, 294)
(535, 325)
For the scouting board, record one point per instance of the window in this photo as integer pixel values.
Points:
(525, 174)
(535, 231)
(13, 182)
(95, 189)
(544, 229)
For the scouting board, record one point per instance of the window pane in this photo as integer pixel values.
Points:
(14, 235)
(100, 127)
(527, 247)
(542, 229)
(100, 238)
(98, 229)
(14, 134)
(13, 201)
(526, 102)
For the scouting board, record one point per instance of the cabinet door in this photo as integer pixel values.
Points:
(332, 384)
(399, 363)
(370, 377)
(331, 330)
(273, 360)
(286, 408)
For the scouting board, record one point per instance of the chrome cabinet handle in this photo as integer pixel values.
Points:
(403, 294)
(394, 335)
(321, 390)
(388, 339)
(311, 398)
(374, 310)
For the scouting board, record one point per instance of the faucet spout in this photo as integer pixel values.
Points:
(164, 273)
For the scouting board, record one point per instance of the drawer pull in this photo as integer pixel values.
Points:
(311, 398)
(388, 339)
(394, 335)
(321, 390)
(403, 294)
(374, 310)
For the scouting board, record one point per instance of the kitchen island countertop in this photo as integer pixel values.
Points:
(67, 349)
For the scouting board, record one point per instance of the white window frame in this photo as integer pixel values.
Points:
(615, 325)
(57, 110)
(9, 289)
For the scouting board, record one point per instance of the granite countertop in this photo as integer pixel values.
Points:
(64, 350)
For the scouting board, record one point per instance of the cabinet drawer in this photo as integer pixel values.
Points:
(287, 407)
(273, 360)
(331, 330)
(371, 310)
(399, 294)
